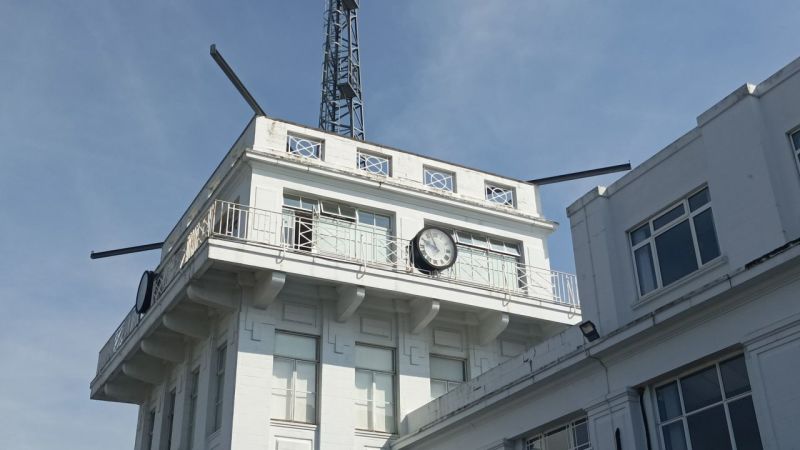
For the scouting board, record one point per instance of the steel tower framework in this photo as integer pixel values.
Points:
(342, 107)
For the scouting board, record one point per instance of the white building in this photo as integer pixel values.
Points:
(689, 267)
(294, 307)
(291, 310)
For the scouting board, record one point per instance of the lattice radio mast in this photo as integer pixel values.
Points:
(342, 107)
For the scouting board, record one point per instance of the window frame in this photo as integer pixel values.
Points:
(191, 408)
(294, 375)
(317, 155)
(364, 155)
(464, 368)
(569, 425)
(220, 366)
(723, 401)
(795, 148)
(149, 429)
(371, 403)
(426, 170)
(170, 402)
(491, 185)
(687, 215)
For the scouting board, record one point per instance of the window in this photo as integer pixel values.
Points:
(194, 385)
(486, 261)
(294, 378)
(573, 436)
(219, 385)
(710, 408)
(439, 179)
(500, 195)
(307, 148)
(329, 227)
(371, 163)
(795, 137)
(446, 375)
(149, 429)
(675, 243)
(375, 388)
(170, 410)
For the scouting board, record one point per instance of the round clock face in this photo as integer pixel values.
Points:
(145, 292)
(436, 248)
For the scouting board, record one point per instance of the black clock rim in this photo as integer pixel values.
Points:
(149, 277)
(420, 259)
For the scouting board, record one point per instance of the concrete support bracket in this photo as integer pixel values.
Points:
(193, 325)
(171, 350)
(423, 312)
(213, 296)
(350, 297)
(491, 325)
(266, 289)
(148, 370)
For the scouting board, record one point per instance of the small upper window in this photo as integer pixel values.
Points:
(500, 195)
(439, 179)
(446, 375)
(675, 243)
(376, 164)
(572, 436)
(307, 148)
(795, 136)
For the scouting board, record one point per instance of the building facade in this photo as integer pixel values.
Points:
(689, 270)
(319, 289)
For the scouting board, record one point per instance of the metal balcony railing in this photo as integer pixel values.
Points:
(344, 239)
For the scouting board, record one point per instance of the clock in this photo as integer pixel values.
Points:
(145, 293)
(434, 249)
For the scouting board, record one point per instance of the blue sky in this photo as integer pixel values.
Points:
(112, 115)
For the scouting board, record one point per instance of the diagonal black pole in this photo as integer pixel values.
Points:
(237, 83)
(126, 250)
(581, 174)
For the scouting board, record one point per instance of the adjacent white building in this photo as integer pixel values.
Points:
(297, 305)
(326, 293)
(689, 268)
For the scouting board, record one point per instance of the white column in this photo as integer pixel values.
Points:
(337, 393)
(619, 411)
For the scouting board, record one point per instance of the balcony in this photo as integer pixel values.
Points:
(342, 240)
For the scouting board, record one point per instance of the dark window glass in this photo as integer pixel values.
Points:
(796, 140)
(676, 256)
(669, 403)
(708, 429)
(674, 439)
(700, 389)
(669, 216)
(640, 234)
(734, 377)
(581, 433)
(745, 427)
(645, 269)
(706, 236)
(699, 199)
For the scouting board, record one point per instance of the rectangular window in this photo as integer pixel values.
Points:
(372, 163)
(710, 408)
(332, 228)
(446, 375)
(219, 385)
(375, 388)
(573, 436)
(170, 416)
(795, 138)
(294, 378)
(305, 147)
(194, 386)
(439, 179)
(486, 261)
(149, 430)
(675, 243)
(500, 195)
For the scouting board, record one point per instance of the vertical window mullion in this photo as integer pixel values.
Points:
(695, 242)
(291, 393)
(654, 254)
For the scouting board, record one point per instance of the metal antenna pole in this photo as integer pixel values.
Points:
(342, 107)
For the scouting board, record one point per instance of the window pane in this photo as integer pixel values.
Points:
(280, 404)
(366, 218)
(669, 216)
(640, 234)
(796, 140)
(383, 399)
(581, 433)
(706, 236)
(305, 387)
(734, 377)
(708, 429)
(291, 200)
(363, 387)
(374, 358)
(295, 346)
(382, 222)
(557, 440)
(669, 402)
(534, 444)
(447, 369)
(700, 389)
(699, 199)
(674, 439)
(745, 427)
(645, 269)
(676, 256)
